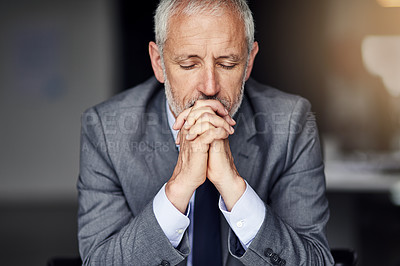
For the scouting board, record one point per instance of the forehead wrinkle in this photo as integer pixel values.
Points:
(190, 36)
(177, 21)
(205, 45)
(189, 40)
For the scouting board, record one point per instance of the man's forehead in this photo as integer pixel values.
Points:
(231, 57)
(194, 32)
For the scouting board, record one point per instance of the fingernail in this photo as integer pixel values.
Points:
(232, 130)
(226, 111)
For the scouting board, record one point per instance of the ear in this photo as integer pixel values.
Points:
(253, 54)
(155, 58)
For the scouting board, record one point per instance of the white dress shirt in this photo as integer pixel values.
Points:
(245, 218)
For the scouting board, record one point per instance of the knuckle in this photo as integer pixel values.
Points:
(205, 126)
(206, 116)
(221, 132)
(197, 103)
(191, 131)
(208, 108)
(195, 129)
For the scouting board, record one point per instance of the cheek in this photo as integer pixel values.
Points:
(232, 76)
(231, 83)
(182, 84)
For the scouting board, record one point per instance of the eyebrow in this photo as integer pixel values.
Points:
(184, 57)
(232, 57)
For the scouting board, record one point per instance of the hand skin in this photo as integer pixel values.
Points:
(204, 153)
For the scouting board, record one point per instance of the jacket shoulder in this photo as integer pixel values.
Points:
(137, 97)
(264, 98)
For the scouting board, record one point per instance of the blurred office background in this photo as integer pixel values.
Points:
(60, 57)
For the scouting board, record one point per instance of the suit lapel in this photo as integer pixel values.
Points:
(161, 153)
(243, 151)
(224, 239)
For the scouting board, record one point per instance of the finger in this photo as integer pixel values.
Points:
(215, 105)
(198, 129)
(197, 109)
(180, 120)
(230, 120)
(212, 134)
(195, 114)
(205, 122)
(178, 138)
(218, 121)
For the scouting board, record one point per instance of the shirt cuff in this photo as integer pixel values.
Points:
(246, 216)
(170, 219)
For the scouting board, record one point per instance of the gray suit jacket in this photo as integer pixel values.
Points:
(128, 153)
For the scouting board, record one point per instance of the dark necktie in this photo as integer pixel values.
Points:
(206, 231)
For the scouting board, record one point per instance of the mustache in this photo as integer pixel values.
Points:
(223, 101)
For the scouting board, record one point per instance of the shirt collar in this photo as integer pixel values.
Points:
(171, 120)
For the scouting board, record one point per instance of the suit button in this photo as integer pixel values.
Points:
(164, 263)
(282, 263)
(275, 259)
(268, 252)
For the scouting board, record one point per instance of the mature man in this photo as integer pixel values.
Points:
(158, 170)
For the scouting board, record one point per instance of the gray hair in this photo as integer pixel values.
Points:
(167, 8)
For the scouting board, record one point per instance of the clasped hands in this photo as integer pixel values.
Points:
(204, 153)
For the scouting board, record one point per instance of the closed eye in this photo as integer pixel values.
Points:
(187, 67)
(227, 67)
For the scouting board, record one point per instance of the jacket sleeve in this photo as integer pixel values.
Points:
(293, 231)
(108, 232)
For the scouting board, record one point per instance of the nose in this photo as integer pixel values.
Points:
(209, 85)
